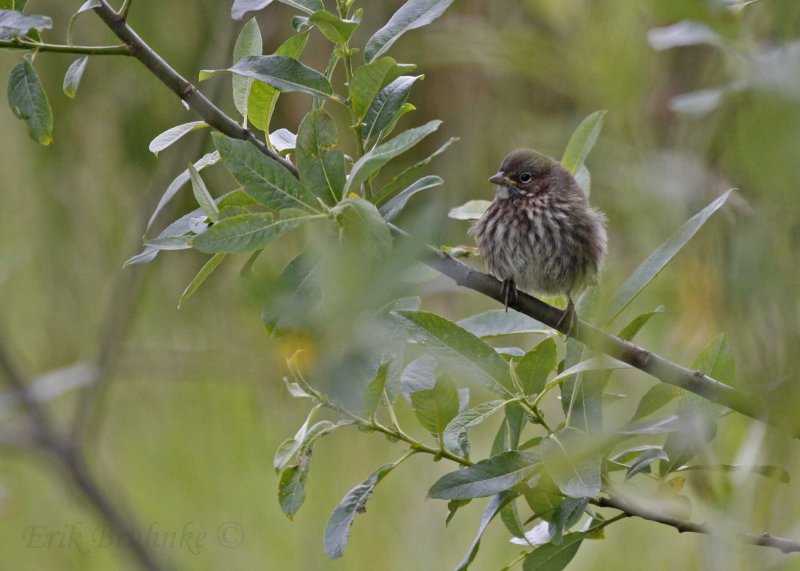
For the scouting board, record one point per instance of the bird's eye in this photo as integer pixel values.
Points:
(525, 177)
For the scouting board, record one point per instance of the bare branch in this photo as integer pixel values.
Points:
(765, 539)
(17, 43)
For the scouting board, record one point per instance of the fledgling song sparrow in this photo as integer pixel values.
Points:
(539, 233)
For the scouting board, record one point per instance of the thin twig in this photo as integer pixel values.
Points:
(182, 87)
(765, 539)
(22, 44)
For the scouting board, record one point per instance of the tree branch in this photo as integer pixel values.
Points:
(50, 440)
(184, 89)
(765, 539)
(17, 43)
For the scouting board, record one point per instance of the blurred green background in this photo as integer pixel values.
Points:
(196, 406)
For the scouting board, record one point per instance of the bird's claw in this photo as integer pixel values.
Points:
(509, 293)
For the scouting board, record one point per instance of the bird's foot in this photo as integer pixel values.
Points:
(568, 316)
(509, 293)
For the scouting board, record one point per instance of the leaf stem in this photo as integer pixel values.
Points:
(17, 43)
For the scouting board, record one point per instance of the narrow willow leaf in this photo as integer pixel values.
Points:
(419, 375)
(386, 105)
(363, 228)
(496, 322)
(684, 33)
(240, 8)
(642, 463)
(320, 162)
(656, 261)
(332, 27)
(374, 160)
(544, 498)
(207, 269)
(171, 243)
(471, 210)
(202, 196)
(452, 507)
(373, 394)
(569, 458)
(367, 82)
(29, 102)
(495, 505)
(267, 181)
(655, 398)
(567, 514)
(17, 23)
(290, 446)
(72, 79)
(392, 208)
(663, 425)
(263, 97)
(534, 368)
(552, 557)
(436, 407)
(411, 15)
(284, 73)
(631, 329)
(716, 361)
(244, 233)
(455, 434)
(308, 6)
(459, 348)
(600, 363)
(403, 179)
(172, 134)
(582, 141)
(488, 477)
(180, 180)
(249, 43)
(337, 531)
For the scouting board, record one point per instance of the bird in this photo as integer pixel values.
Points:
(540, 234)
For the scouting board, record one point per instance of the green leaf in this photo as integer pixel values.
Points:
(244, 233)
(262, 99)
(367, 82)
(471, 210)
(207, 269)
(375, 159)
(411, 15)
(363, 227)
(534, 368)
(436, 407)
(290, 446)
(292, 488)
(269, 182)
(332, 27)
(16, 23)
(29, 102)
(661, 425)
(569, 458)
(582, 141)
(337, 531)
(642, 463)
(599, 363)
(284, 73)
(544, 499)
(283, 140)
(180, 180)
(495, 506)
(510, 518)
(320, 162)
(455, 433)
(488, 477)
(386, 106)
(567, 514)
(201, 194)
(171, 243)
(171, 135)
(249, 43)
(72, 79)
(656, 261)
(392, 209)
(240, 8)
(716, 361)
(496, 322)
(656, 397)
(631, 329)
(552, 557)
(373, 394)
(460, 348)
(308, 6)
(403, 179)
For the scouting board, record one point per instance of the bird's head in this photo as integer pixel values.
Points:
(524, 171)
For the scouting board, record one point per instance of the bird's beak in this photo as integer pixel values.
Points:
(499, 178)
